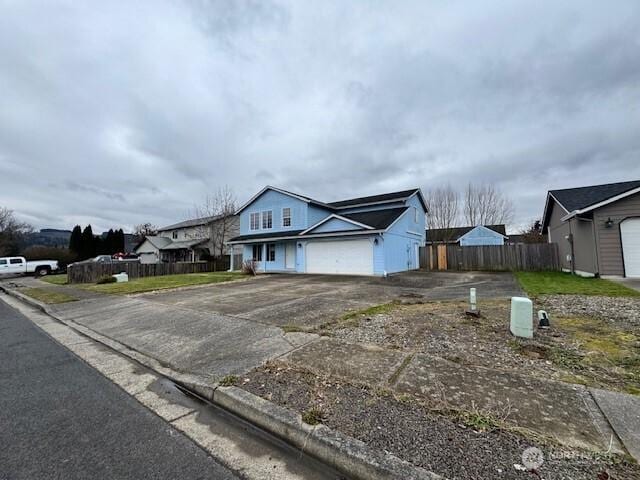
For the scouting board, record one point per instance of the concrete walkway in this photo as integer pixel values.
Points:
(633, 283)
(565, 412)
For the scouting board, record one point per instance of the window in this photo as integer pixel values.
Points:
(257, 253)
(286, 217)
(267, 219)
(415, 214)
(174, 235)
(271, 252)
(3, 262)
(15, 261)
(255, 221)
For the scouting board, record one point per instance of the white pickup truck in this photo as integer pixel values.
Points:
(16, 265)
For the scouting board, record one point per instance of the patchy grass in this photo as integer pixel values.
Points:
(313, 416)
(47, 296)
(589, 351)
(60, 279)
(375, 310)
(228, 381)
(560, 283)
(293, 328)
(148, 284)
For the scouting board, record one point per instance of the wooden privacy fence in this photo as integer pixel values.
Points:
(526, 256)
(91, 272)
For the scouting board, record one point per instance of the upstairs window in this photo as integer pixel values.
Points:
(286, 217)
(257, 253)
(271, 252)
(255, 221)
(267, 219)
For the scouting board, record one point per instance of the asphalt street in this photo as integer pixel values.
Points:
(60, 419)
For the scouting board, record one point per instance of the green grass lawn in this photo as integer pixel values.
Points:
(60, 279)
(560, 283)
(148, 284)
(47, 296)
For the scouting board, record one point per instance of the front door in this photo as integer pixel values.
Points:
(290, 256)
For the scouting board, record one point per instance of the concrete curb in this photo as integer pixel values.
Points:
(346, 454)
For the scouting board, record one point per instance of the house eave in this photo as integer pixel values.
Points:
(613, 199)
(304, 237)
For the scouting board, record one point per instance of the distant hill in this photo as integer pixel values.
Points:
(53, 237)
(49, 237)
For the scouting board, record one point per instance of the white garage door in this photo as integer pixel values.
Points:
(630, 231)
(345, 256)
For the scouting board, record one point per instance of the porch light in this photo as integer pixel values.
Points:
(299, 245)
(608, 223)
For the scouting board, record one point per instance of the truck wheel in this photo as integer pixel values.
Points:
(42, 271)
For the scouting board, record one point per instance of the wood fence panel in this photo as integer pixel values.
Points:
(526, 256)
(91, 272)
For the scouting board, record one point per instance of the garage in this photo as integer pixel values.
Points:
(630, 234)
(353, 257)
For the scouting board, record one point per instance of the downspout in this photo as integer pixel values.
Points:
(573, 256)
(595, 247)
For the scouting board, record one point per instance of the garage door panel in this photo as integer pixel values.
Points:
(630, 233)
(340, 257)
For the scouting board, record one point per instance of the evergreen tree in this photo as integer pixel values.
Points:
(88, 244)
(110, 243)
(75, 241)
(119, 240)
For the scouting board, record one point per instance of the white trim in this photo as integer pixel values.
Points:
(269, 187)
(297, 237)
(290, 217)
(397, 219)
(339, 217)
(413, 233)
(480, 226)
(580, 273)
(600, 204)
(546, 206)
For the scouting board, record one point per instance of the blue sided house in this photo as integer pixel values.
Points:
(289, 232)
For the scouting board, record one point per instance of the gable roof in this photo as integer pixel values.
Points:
(284, 192)
(583, 199)
(195, 222)
(377, 199)
(156, 241)
(453, 234)
(377, 219)
(342, 218)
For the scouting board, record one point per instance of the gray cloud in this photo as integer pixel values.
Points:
(134, 112)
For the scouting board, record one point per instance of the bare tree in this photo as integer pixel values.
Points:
(12, 232)
(218, 210)
(485, 204)
(443, 203)
(144, 230)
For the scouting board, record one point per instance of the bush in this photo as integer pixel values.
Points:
(106, 279)
(249, 267)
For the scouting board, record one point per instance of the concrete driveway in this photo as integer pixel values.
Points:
(230, 328)
(311, 300)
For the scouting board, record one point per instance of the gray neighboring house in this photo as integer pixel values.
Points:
(190, 241)
(597, 228)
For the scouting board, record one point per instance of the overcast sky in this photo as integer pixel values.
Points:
(118, 113)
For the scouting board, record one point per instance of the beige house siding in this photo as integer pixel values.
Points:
(609, 246)
(584, 246)
(558, 231)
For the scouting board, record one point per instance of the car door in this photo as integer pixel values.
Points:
(4, 265)
(16, 265)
